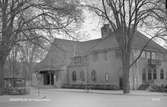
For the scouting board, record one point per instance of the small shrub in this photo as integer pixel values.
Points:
(91, 86)
(156, 88)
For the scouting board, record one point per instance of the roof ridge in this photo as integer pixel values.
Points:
(145, 37)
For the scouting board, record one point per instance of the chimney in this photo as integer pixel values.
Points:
(105, 30)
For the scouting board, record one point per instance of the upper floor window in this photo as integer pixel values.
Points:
(153, 55)
(136, 53)
(162, 74)
(77, 59)
(148, 54)
(143, 54)
(106, 76)
(93, 75)
(160, 56)
(74, 76)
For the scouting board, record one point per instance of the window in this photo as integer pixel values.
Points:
(106, 76)
(162, 74)
(149, 74)
(153, 55)
(82, 76)
(155, 74)
(148, 54)
(144, 75)
(74, 76)
(136, 52)
(93, 75)
(77, 59)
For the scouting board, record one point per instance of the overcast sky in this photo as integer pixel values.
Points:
(92, 28)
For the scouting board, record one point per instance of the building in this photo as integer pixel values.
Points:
(98, 62)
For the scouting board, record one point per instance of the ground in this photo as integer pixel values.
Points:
(84, 98)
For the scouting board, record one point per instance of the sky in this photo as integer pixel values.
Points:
(91, 28)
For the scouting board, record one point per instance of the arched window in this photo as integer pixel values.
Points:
(155, 74)
(149, 74)
(82, 76)
(74, 76)
(144, 75)
(93, 75)
(106, 76)
(162, 74)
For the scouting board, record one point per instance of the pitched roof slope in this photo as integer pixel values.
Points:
(140, 40)
(62, 50)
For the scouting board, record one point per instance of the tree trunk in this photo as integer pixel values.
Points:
(124, 46)
(125, 68)
(4, 51)
(2, 62)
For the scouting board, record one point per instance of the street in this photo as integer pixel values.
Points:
(82, 98)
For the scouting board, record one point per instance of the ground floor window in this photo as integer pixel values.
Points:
(74, 76)
(106, 76)
(149, 74)
(93, 75)
(144, 75)
(121, 83)
(155, 74)
(162, 74)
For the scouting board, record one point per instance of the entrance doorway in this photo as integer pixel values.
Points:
(120, 83)
(48, 77)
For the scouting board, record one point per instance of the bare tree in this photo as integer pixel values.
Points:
(124, 16)
(30, 54)
(27, 20)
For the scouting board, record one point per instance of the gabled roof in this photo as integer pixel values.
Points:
(86, 47)
(140, 40)
(69, 48)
